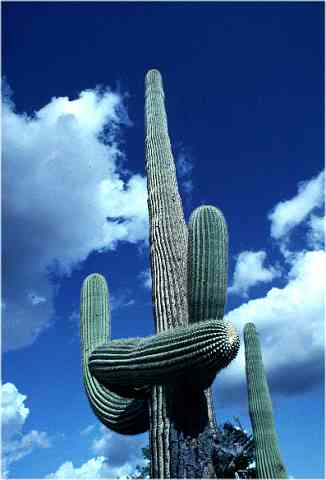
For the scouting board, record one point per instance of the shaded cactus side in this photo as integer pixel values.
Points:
(268, 457)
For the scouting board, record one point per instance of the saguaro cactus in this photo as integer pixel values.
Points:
(269, 463)
(162, 383)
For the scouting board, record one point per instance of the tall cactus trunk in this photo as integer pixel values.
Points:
(181, 444)
(269, 463)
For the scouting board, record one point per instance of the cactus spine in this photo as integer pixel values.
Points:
(268, 458)
(162, 383)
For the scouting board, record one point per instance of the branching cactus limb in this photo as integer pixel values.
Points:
(207, 264)
(207, 273)
(123, 415)
(199, 349)
(268, 457)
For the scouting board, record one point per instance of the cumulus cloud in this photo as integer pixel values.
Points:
(249, 271)
(64, 196)
(93, 468)
(316, 233)
(15, 444)
(290, 213)
(290, 323)
(116, 457)
(119, 449)
(289, 320)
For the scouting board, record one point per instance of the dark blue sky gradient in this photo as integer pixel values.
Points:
(244, 93)
(244, 83)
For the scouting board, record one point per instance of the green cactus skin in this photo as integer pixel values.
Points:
(173, 455)
(127, 416)
(168, 240)
(168, 230)
(268, 457)
(207, 264)
(207, 272)
(136, 384)
(161, 359)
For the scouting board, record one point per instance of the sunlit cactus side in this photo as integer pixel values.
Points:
(123, 415)
(268, 457)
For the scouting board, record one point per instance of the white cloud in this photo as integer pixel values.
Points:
(316, 233)
(116, 456)
(119, 449)
(61, 182)
(146, 278)
(249, 271)
(290, 322)
(288, 214)
(17, 445)
(93, 468)
(14, 412)
(88, 430)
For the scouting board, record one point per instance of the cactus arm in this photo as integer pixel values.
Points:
(123, 415)
(207, 264)
(207, 272)
(198, 349)
(268, 457)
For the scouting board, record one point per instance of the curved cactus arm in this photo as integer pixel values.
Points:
(268, 458)
(207, 264)
(123, 415)
(202, 349)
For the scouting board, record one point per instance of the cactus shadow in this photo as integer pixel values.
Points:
(184, 401)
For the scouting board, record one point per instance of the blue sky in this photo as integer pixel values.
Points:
(244, 98)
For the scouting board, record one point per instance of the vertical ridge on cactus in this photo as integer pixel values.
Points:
(268, 457)
(168, 231)
(168, 240)
(199, 349)
(123, 415)
(207, 263)
(207, 273)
